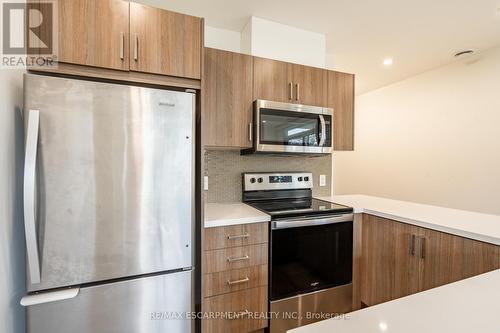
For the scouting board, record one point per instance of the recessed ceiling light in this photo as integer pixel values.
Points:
(388, 61)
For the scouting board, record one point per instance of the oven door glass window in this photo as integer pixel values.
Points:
(278, 127)
(310, 258)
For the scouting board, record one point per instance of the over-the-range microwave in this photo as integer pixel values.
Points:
(291, 129)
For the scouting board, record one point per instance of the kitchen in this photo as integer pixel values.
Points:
(309, 173)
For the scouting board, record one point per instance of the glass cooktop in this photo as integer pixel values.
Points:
(298, 207)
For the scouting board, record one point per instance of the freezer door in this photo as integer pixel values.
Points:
(156, 304)
(112, 173)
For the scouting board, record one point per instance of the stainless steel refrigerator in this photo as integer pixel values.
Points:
(109, 207)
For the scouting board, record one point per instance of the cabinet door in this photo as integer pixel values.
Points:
(272, 80)
(310, 85)
(164, 42)
(388, 270)
(94, 33)
(227, 97)
(341, 99)
(446, 258)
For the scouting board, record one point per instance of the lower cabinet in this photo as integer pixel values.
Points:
(235, 279)
(400, 259)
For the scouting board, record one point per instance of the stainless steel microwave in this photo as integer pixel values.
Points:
(291, 128)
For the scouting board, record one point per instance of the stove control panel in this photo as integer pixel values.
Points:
(277, 181)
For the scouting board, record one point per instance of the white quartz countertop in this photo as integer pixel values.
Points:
(224, 214)
(465, 306)
(478, 226)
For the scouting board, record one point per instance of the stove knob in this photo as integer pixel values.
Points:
(306, 179)
(299, 179)
(252, 180)
(260, 180)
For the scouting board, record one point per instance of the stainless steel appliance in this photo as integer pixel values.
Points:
(108, 207)
(291, 128)
(310, 249)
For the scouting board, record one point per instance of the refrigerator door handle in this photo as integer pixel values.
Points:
(29, 196)
(54, 296)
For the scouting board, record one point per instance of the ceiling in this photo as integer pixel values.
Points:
(418, 35)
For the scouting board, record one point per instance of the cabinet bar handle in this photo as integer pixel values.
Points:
(238, 258)
(297, 96)
(230, 283)
(291, 91)
(122, 45)
(238, 236)
(422, 247)
(238, 315)
(250, 130)
(136, 47)
(412, 245)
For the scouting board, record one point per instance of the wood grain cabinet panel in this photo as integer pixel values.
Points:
(164, 42)
(235, 258)
(227, 96)
(235, 280)
(94, 33)
(310, 85)
(341, 99)
(399, 259)
(388, 271)
(247, 309)
(272, 80)
(235, 235)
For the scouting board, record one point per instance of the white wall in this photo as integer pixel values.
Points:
(433, 138)
(12, 255)
(273, 40)
(222, 39)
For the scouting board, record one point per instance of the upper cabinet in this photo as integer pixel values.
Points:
(94, 33)
(341, 99)
(164, 42)
(272, 80)
(310, 86)
(127, 36)
(227, 99)
(284, 82)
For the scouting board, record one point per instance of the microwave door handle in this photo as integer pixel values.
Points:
(29, 196)
(322, 137)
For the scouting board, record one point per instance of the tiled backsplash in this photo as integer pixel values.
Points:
(224, 169)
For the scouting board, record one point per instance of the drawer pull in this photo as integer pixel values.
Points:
(229, 237)
(231, 283)
(238, 258)
(239, 315)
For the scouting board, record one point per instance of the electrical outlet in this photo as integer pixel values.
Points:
(322, 180)
(205, 183)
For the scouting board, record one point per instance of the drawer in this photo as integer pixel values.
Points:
(234, 280)
(234, 258)
(235, 235)
(250, 304)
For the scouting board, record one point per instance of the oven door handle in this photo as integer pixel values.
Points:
(306, 222)
(322, 136)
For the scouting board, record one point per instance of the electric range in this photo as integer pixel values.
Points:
(310, 250)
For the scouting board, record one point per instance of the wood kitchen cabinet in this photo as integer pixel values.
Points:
(94, 33)
(227, 99)
(399, 259)
(341, 99)
(290, 83)
(310, 85)
(164, 42)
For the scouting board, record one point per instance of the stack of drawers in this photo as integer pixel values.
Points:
(235, 277)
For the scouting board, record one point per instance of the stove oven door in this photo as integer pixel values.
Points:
(310, 255)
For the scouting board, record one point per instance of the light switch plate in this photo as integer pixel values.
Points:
(322, 180)
(205, 183)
